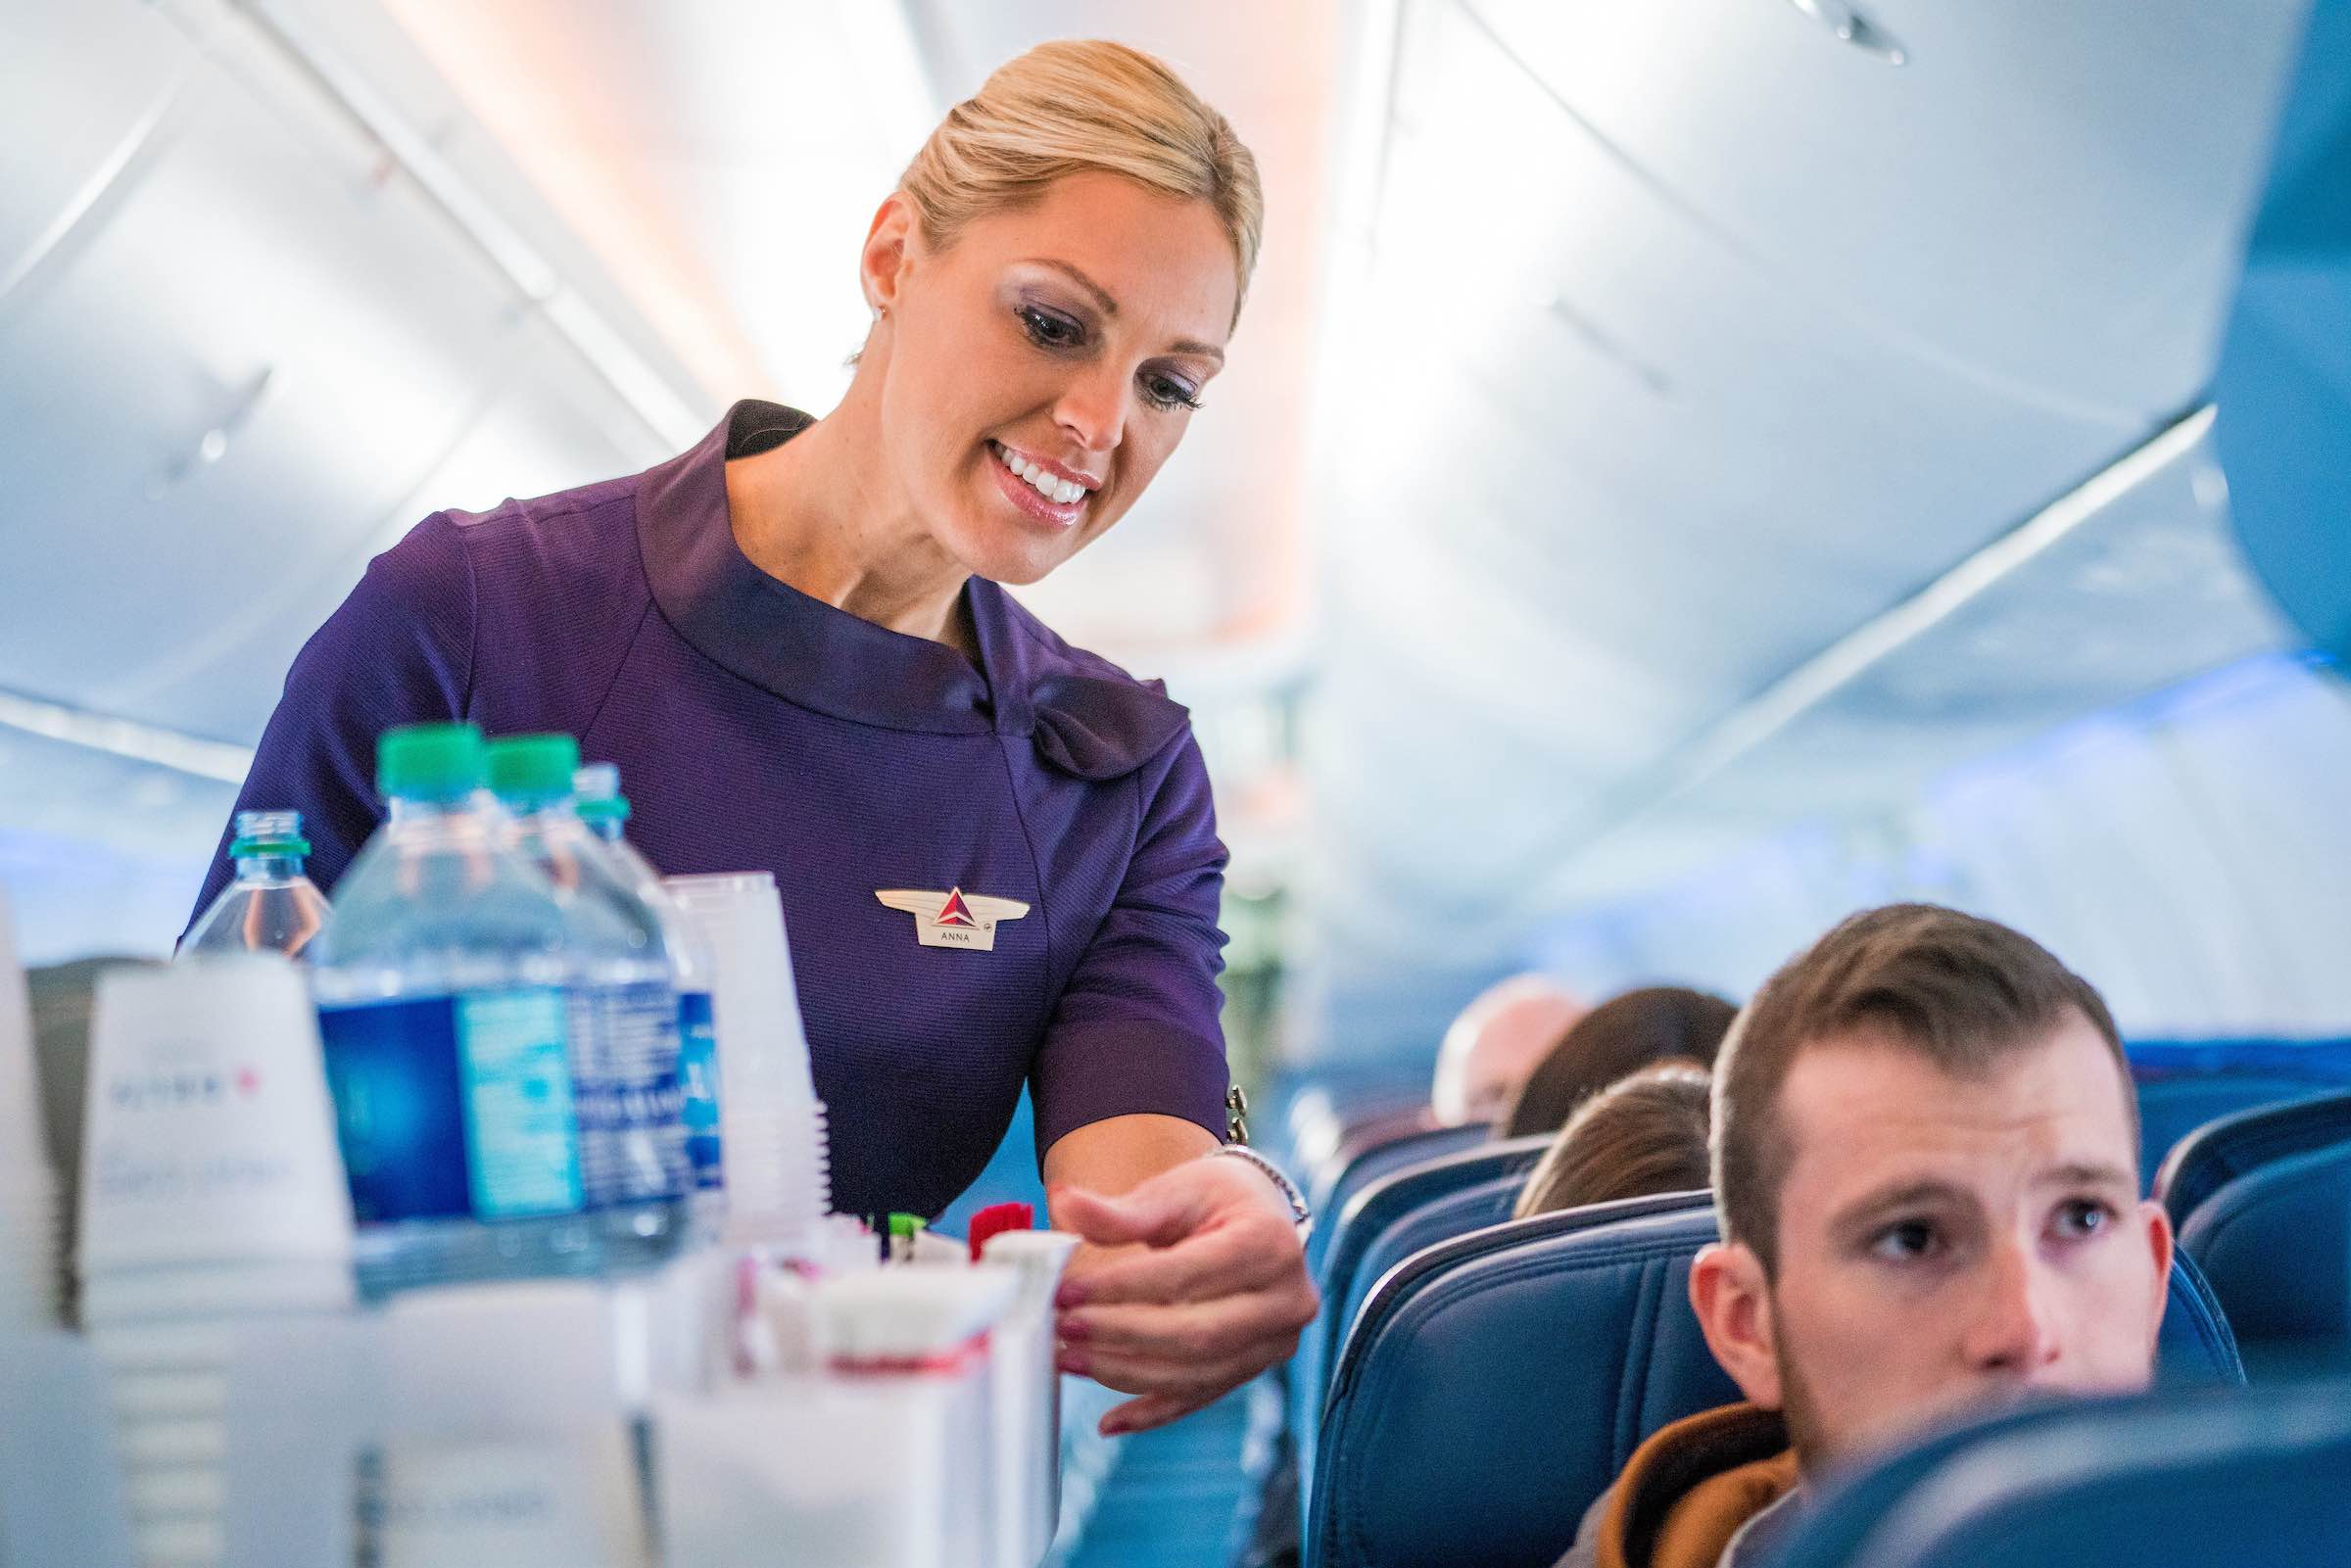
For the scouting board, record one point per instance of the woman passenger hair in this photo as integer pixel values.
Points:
(1620, 1036)
(1640, 1135)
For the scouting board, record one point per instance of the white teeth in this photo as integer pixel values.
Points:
(1061, 492)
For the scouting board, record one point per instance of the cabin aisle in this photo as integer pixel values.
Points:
(1172, 1497)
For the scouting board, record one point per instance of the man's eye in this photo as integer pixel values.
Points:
(2083, 1219)
(1905, 1241)
(1050, 330)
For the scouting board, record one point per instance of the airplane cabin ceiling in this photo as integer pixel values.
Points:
(1607, 370)
(1747, 337)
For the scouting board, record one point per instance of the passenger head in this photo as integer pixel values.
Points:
(1926, 1167)
(1621, 1035)
(1643, 1134)
(1495, 1043)
(1053, 282)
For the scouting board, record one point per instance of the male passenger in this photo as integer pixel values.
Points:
(1925, 1161)
(1497, 1040)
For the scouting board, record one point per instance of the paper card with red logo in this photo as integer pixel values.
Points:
(954, 918)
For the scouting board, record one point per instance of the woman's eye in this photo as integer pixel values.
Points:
(1165, 392)
(2083, 1219)
(1048, 329)
(1905, 1241)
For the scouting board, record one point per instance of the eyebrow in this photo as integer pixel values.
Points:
(1905, 1196)
(1110, 306)
(2088, 1174)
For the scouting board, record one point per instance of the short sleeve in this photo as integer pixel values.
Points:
(399, 650)
(1136, 1028)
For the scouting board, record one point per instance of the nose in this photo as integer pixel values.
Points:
(2014, 1333)
(1092, 409)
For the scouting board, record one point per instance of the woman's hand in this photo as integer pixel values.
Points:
(1190, 1285)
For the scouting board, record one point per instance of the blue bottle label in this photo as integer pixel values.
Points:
(698, 1075)
(631, 1106)
(450, 1107)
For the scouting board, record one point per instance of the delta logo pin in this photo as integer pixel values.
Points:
(954, 918)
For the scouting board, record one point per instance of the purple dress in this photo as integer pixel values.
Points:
(758, 729)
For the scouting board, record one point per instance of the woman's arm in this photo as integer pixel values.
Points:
(398, 650)
(1192, 1280)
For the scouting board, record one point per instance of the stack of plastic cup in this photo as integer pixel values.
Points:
(27, 1186)
(771, 1127)
(212, 1201)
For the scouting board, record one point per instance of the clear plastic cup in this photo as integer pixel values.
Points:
(772, 1129)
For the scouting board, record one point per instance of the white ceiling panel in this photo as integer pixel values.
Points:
(2028, 163)
(1683, 394)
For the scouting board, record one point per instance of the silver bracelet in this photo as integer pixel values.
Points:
(1300, 1215)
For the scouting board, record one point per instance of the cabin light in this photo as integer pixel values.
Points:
(213, 444)
(1851, 25)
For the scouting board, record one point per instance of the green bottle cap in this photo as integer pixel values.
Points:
(533, 767)
(597, 787)
(429, 761)
(268, 833)
(907, 1226)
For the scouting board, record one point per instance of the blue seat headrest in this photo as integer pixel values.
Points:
(2182, 1478)
(1544, 1350)
(1330, 1191)
(2175, 1107)
(2276, 1246)
(2220, 1151)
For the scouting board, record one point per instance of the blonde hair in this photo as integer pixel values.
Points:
(1078, 106)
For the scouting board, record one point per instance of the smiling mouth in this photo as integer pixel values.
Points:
(1036, 490)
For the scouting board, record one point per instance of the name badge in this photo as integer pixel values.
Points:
(954, 918)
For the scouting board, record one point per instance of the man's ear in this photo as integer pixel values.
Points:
(887, 251)
(2159, 1240)
(1733, 1303)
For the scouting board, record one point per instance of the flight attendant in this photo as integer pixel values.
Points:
(997, 852)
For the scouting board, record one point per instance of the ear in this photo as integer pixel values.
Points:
(1733, 1303)
(2159, 1241)
(888, 249)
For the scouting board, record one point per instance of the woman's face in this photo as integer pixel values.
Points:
(1038, 371)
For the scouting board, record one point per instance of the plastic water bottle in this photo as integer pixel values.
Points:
(442, 989)
(272, 907)
(606, 811)
(624, 1011)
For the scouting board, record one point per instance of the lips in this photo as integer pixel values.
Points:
(1055, 516)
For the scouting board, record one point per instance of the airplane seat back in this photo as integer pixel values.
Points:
(1369, 1216)
(1441, 1219)
(1331, 1189)
(1488, 1357)
(2168, 1480)
(2219, 1152)
(2275, 1245)
(2175, 1108)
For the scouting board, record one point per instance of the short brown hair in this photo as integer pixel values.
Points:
(1645, 1133)
(1961, 991)
(1622, 1035)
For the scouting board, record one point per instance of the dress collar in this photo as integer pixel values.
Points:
(1083, 715)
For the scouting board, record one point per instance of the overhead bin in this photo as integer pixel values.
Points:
(243, 363)
(1714, 354)
(2025, 196)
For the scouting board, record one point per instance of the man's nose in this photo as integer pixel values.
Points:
(2014, 1331)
